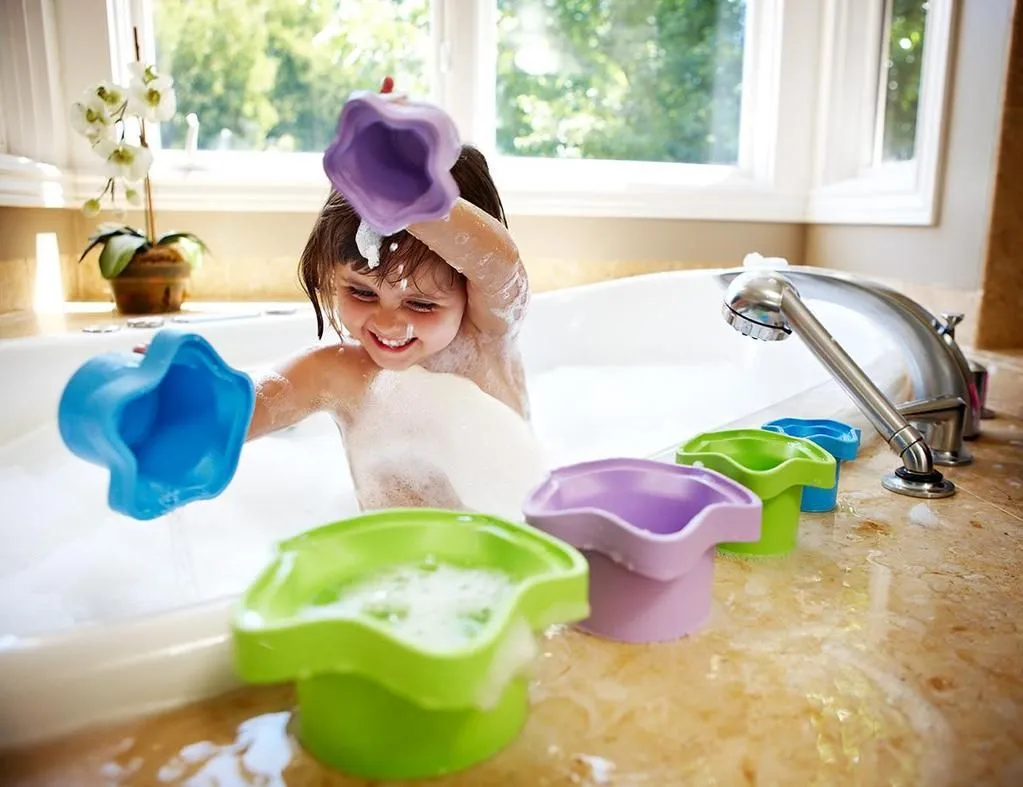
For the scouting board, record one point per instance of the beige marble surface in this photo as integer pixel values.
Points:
(887, 649)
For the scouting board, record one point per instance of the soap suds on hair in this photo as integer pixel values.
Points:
(368, 241)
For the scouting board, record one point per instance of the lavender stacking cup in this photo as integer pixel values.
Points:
(649, 531)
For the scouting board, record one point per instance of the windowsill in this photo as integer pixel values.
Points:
(294, 183)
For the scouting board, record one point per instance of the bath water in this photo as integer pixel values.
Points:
(433, 605)
(68, 559)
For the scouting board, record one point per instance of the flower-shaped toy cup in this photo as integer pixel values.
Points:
(392, 160)
(409, 633)
(169, 424)
(840, 440)
(775, 467)
(649, 531)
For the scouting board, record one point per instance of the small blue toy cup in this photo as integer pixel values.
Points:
(170, 424)
(838, 439)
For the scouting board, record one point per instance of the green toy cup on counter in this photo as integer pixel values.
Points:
(409, 633)
(775, 467)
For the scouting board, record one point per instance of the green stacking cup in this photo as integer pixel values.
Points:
(775, 467)
(409, 633)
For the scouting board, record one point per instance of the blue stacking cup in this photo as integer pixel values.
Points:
(169, 425)
(838, 439)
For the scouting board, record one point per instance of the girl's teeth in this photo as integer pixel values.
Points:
(393, 343)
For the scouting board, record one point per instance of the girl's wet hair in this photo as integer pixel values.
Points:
(331, 244)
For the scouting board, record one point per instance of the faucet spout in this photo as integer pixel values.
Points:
(765, 305)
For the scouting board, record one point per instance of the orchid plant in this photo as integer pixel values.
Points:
(113, 119)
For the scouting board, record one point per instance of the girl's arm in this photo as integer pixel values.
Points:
(324, 378)
(480, 247)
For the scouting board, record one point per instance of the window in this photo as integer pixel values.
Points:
(273, 74)
(754, 110)
(899, 92)
(641, 80)
(882, 114)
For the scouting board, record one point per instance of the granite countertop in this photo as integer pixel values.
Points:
(886, 649)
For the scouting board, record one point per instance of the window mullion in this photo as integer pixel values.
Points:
(465, 51)
(780, 73)
(848, 93)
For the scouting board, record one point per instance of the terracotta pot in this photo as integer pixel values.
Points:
(154, 282)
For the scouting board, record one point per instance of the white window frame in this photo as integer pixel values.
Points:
(810, 84)
(849, 185)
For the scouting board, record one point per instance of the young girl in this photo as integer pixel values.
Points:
(426, 385)
(444, 296)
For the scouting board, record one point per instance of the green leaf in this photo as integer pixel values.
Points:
(189, 245)
(173, 237)
(108, 230)
(118, 252)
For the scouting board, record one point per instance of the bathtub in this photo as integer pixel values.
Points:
(104, 617)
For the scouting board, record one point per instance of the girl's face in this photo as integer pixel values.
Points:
(401, 324)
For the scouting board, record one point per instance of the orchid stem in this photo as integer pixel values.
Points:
(150, 217)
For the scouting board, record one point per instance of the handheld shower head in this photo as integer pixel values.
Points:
(764, 305)
(753, 306)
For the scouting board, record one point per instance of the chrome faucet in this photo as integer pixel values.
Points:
(764, 304)
(937, 367)
(947, 329)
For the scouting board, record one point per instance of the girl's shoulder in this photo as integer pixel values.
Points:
(339, 374)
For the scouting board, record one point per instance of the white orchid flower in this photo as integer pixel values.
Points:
(129, 162)
(133, 197)
(141, 74)
(91, 208)
(151, 94)
(154, 100)
(90, 118)
(113, 96)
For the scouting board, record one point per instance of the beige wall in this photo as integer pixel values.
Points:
(18, 229)
(255, 254)
(953, 252)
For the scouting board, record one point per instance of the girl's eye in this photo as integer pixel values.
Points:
(360, 294)
(421, 306)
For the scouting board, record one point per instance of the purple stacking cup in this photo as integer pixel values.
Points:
(392, 160)
(649, 531)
